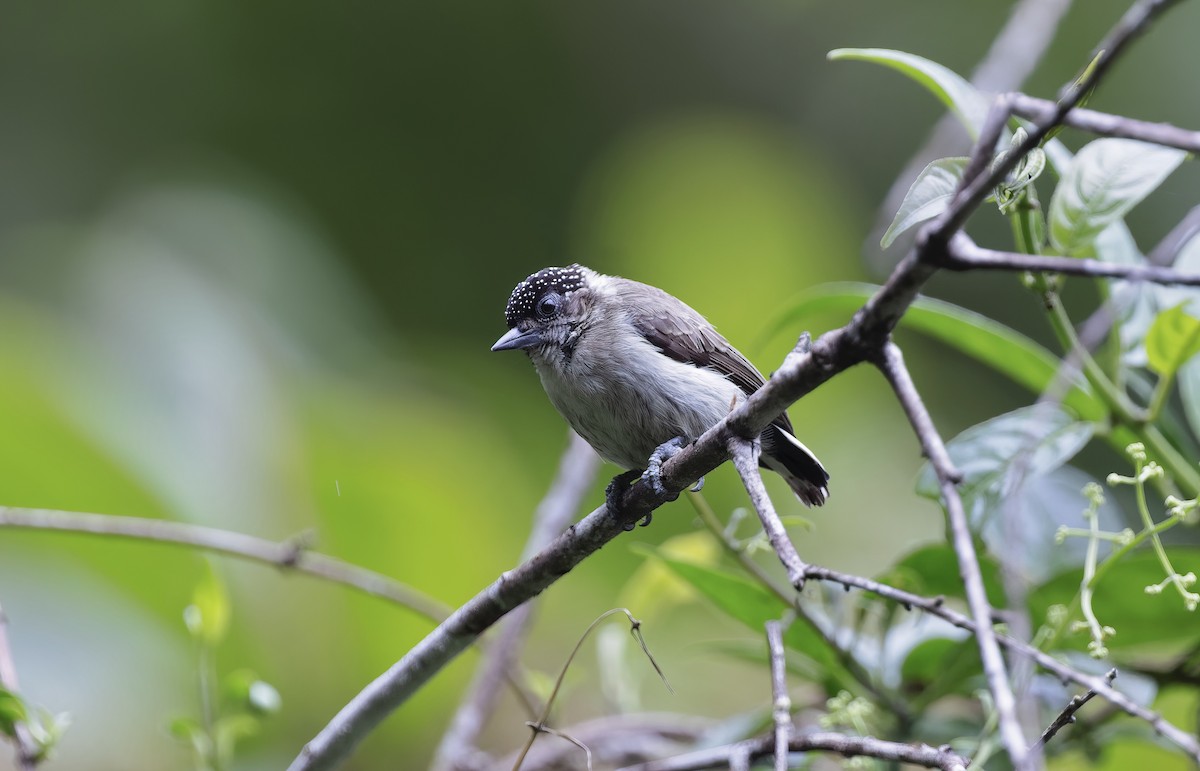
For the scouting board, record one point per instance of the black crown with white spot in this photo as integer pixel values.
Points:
(524, 298)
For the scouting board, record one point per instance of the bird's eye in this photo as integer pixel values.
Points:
(547, 306)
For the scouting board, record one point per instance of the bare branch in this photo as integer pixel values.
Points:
(1105, 124)
(1014, 53)
(963, 254)
(1067, 716)
(745, 460)
(576, 472)
(1166, 250)
(892, 365)
(27, 751)
(834, 743)
(781, 703)
(936, 606)
(977, 185)
(288, 555)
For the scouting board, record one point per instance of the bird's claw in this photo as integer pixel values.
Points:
(653, 472)
(699, 485)
(614, 494)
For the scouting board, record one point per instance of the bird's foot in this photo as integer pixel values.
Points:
(615, 492)
(699, 485)
(653, 473)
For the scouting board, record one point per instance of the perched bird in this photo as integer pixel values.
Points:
(637, 373)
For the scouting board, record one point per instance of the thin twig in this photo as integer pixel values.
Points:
(617, 739)
(1105, 124)
(963, 254)
(976, 185)
(1167, 250)
(781, 703)
(784, 593)
(26, 747)
(936, 606)
(576, 472)
(833, 743)
(892, 365)
(1067, 716)
(745, 459)
(1014, 54)
(286, 555)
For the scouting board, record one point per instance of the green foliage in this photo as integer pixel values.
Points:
(1173, 339)
(1092, 581)
(1106, 179)
(928, 197)
(232, 709)
(949, 87)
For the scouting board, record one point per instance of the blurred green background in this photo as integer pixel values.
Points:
(252, 257)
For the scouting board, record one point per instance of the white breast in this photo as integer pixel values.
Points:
(627, 398)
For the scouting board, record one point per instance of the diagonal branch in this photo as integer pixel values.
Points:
(892, 365)
(1067, 716)
(576, 472)
(976, 185)
(745, 460)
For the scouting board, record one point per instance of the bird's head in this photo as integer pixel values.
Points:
(546, 310)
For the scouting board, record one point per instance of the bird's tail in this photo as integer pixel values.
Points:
(787, 456)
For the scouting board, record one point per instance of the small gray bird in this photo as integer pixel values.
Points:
(637, 373)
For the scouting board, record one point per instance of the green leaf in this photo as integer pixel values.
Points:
(1120, 601)
(12, 711)
(928, 196)
(945, 664)
(1106, 179)
(1030, 440)
(1173, 339)
(1010, 496)
(989, 342)
(932, 570)
(753, 605)
(207, 617)
(955, 92)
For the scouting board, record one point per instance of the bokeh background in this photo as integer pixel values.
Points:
(253, 255)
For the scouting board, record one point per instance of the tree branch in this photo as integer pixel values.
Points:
(1067, 716)
(781, 704)
(976, 185)
(963, 254)
(1014, 54)
(745, 460)
(26, 747)
(834, 743)
(892, 365)
(287, 555)
(936, 606)
(576, 472)
(1105, 124)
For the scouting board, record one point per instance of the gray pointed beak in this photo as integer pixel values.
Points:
(515, 339)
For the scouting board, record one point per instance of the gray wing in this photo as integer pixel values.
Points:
(684, 335)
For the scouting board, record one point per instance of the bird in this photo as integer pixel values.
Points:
(638, 374)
